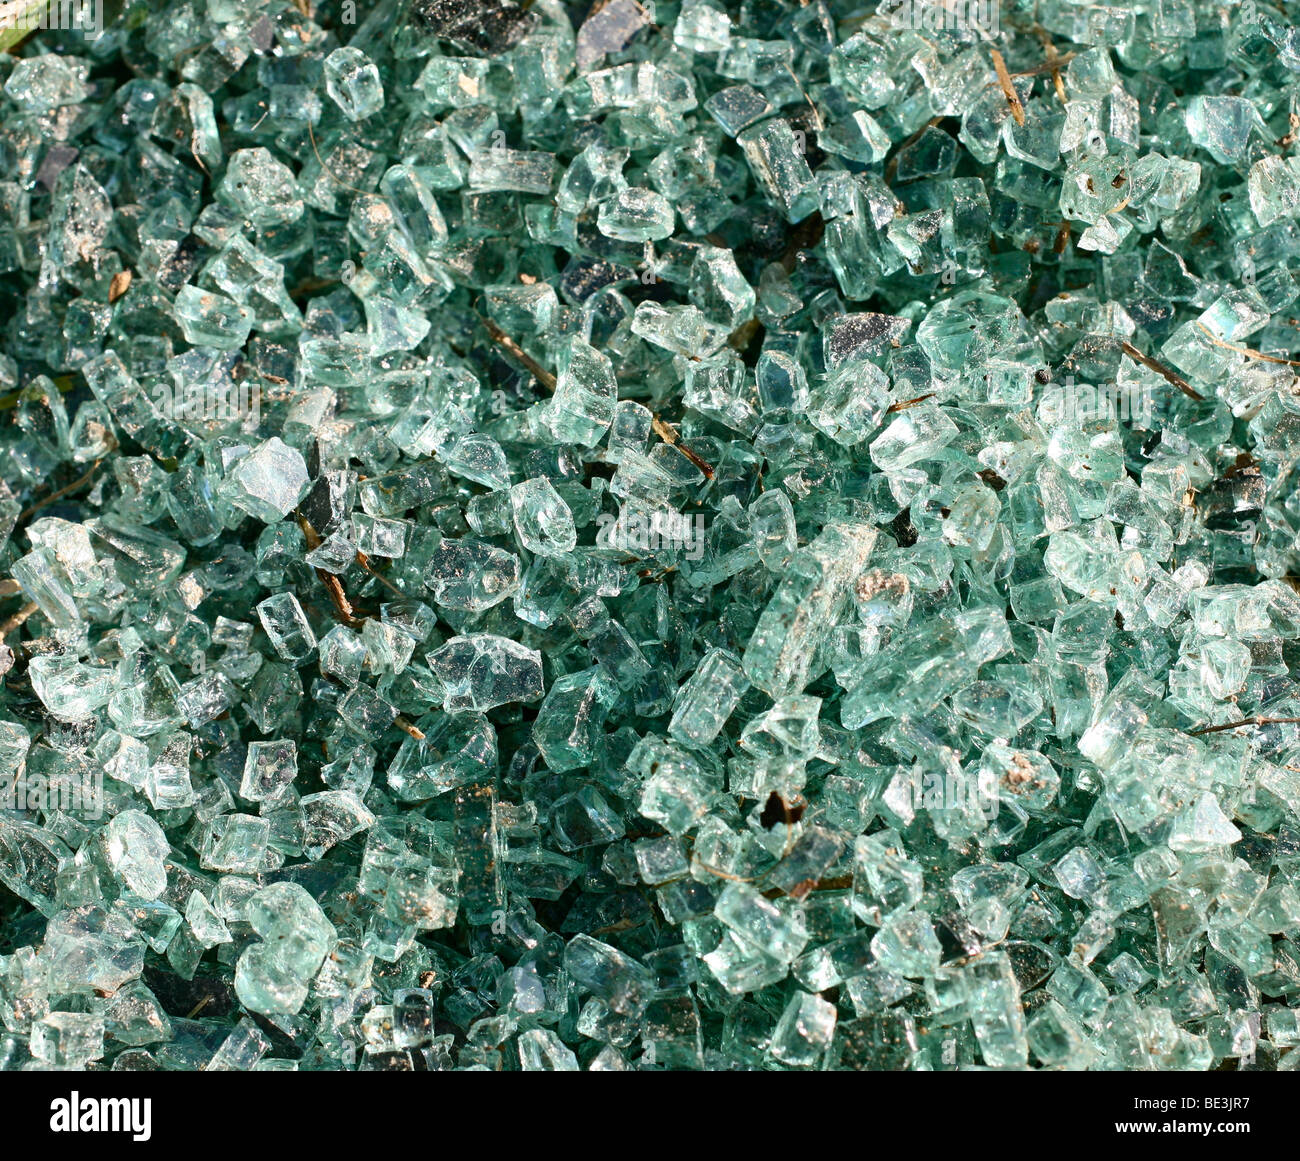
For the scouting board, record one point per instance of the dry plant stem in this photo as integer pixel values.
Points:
(1256, 721)
(1008, 89)
(519, 355)
(13, 30)
(721, 874)
(405, 724)
(339, 599)
(333, 586)
(55, 496)
(668, 435)
(120, 284)
(1048, 66)
(1053, 63)
(841, 883)
(18, 619)
(904, 404)
(341, 184)
(364, 562)
(1160, 369)
(1246, 350)
(891, 169)
(343, 607)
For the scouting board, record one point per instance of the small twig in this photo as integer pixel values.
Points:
(310, 285)
(1257, 721)
(18, 20)
(668, 435)
(194, 1011)
(891, 167)
(721, 873)
(333, 586)
(1290, 138)
(339, 599)
(743, 335)
(9, 587)
(1053, 62)
(1048, 66)
(817, 117)
(840, 883)
(120, 284)
(654, 578)
(18, 619)
(1051, 65)
(1058, 84)
(404, 724)
(1008, 89)
(334, 177)
(1245, 350)
(364, 562)
(8, 402)
(804, 236)
(1160, 369)
(904, 404)
(520, 356)
(789, 834)
(55, 496)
